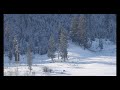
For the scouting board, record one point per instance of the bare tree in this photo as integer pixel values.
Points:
(10, 56)
(29, 57)
(16, 52)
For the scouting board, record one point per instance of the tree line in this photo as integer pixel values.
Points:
(50, 32)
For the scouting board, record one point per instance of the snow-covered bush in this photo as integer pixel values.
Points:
(33, 73)
(46, 69)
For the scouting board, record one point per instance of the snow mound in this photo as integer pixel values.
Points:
(109, 48)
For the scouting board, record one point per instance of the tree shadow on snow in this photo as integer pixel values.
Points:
(91, 62)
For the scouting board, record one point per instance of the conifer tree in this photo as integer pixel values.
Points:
(51, 48)
(82, 32)
(74, 29)
(63, 44)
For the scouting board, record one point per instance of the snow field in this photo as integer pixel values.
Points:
(80, 63)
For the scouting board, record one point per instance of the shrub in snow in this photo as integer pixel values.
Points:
(63, 72)
(46, 69)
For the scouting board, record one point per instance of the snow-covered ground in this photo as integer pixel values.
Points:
(80, 63)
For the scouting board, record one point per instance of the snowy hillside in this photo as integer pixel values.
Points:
(37, 29)
(80, 63)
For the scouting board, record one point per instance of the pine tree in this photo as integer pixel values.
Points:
(58, 49)
(63, 44)
(107, 25)
(110, 27)
(82, 32)
(79, 31)
(74, 28)
(51, 48)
